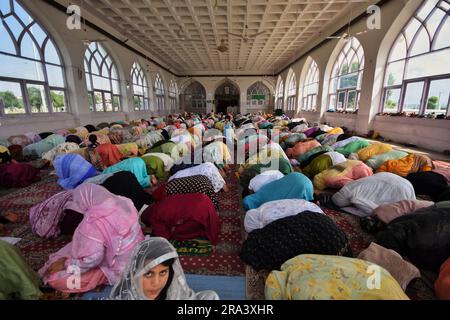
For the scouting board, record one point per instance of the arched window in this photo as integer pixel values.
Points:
(311, 88)
(346, 77)
(141, 99)
(417, 78)
(258, 95)
(102, 79)
(159, 93)
(31, 69)
(195, 96)
(279, 94)
(292, 93)
(173, 92)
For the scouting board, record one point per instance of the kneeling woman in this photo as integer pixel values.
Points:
(155, 273)
(102, 244)
(183, 217)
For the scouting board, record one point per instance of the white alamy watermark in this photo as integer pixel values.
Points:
(374, 20)
(374, 280)
(74, 280)
(74, 20)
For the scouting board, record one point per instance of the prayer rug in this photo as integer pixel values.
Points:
(195, 247)
(224, 260)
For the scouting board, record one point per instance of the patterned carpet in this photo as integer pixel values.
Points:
(223, 261)
(34, 249)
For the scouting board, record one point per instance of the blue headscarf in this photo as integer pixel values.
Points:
(72, 170)
(293, 186)
(135, 166)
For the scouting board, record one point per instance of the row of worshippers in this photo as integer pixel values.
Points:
(282, 234)
(106, 205)
(298, 173)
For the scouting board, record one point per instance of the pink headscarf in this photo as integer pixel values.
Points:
(46, 216)
(96, 203)
(108, 219)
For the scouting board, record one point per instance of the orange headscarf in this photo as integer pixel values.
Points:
(109, 153)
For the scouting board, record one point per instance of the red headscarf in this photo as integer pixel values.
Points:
(183, 217)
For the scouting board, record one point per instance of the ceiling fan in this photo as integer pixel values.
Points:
(347, 36)
(182, 36)
(247, 37)
(222, 47)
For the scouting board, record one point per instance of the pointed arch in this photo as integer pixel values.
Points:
(346, 77)
(279, 93)
(309, 92)
(227, 81)
(159, 93)
(227, 96)
(32, 74)
(102, 79)
(173, 94)
(141, 97)
(291, 91)
(417, 74)
(258, 94)
(194, 97)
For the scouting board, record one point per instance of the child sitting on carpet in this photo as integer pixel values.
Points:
(155, 273)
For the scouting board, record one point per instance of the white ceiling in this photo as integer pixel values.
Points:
(159, 26)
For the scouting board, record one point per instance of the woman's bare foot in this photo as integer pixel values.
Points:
(154, 180)
(225, 188)
(222, 173)
(11, 217)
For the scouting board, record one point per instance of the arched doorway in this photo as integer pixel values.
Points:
(227, 96)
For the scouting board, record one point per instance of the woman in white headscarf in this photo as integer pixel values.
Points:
(155, 273)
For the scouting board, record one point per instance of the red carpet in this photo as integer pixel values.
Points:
(223, 261)
(34, 249)
(358, 239)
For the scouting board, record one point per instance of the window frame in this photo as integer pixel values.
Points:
(346, 52)
(292, 93)
(159, 93)
(312, 74)
(258, 88)
(173, 95)
(90, 77)
(27, 30)
(197, 95)
(426, 90)
(279, 94)
(137, 70)
(427, 79)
